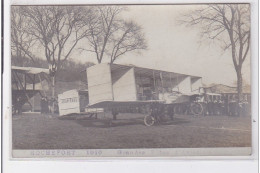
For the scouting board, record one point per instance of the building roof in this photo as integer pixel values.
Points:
(222, 89)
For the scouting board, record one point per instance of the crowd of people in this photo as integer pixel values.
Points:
(225, 105)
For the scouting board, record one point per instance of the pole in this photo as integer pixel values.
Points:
(161, 75)
(178, 83)
(33, 104)
(154, 83)
(171, 81)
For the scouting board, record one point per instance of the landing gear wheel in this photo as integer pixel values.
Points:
(196, 109)
(149, 120)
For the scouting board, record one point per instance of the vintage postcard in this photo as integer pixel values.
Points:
(131, 80)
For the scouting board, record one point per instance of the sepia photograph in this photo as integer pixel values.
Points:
(131, 80)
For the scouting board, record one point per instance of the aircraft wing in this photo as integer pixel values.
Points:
(30, 70)
(107, 104)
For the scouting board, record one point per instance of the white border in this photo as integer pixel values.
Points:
(223, 164)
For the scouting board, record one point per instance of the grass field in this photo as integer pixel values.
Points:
(36, 131)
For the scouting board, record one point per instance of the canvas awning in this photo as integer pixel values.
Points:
(30, 70)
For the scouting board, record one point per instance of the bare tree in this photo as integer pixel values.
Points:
(57, 29)
(129, 38)
(21, 41)
(111, 36)
(218, 20)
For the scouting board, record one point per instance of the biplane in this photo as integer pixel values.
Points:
(27, 82)
(130, 89)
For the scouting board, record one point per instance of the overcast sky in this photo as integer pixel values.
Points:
(174, 47)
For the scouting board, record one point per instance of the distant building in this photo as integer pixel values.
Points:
(228, 92)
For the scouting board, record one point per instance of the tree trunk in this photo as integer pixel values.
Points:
(239, 85)
(53, 93)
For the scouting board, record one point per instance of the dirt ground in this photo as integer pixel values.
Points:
(36, 131)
